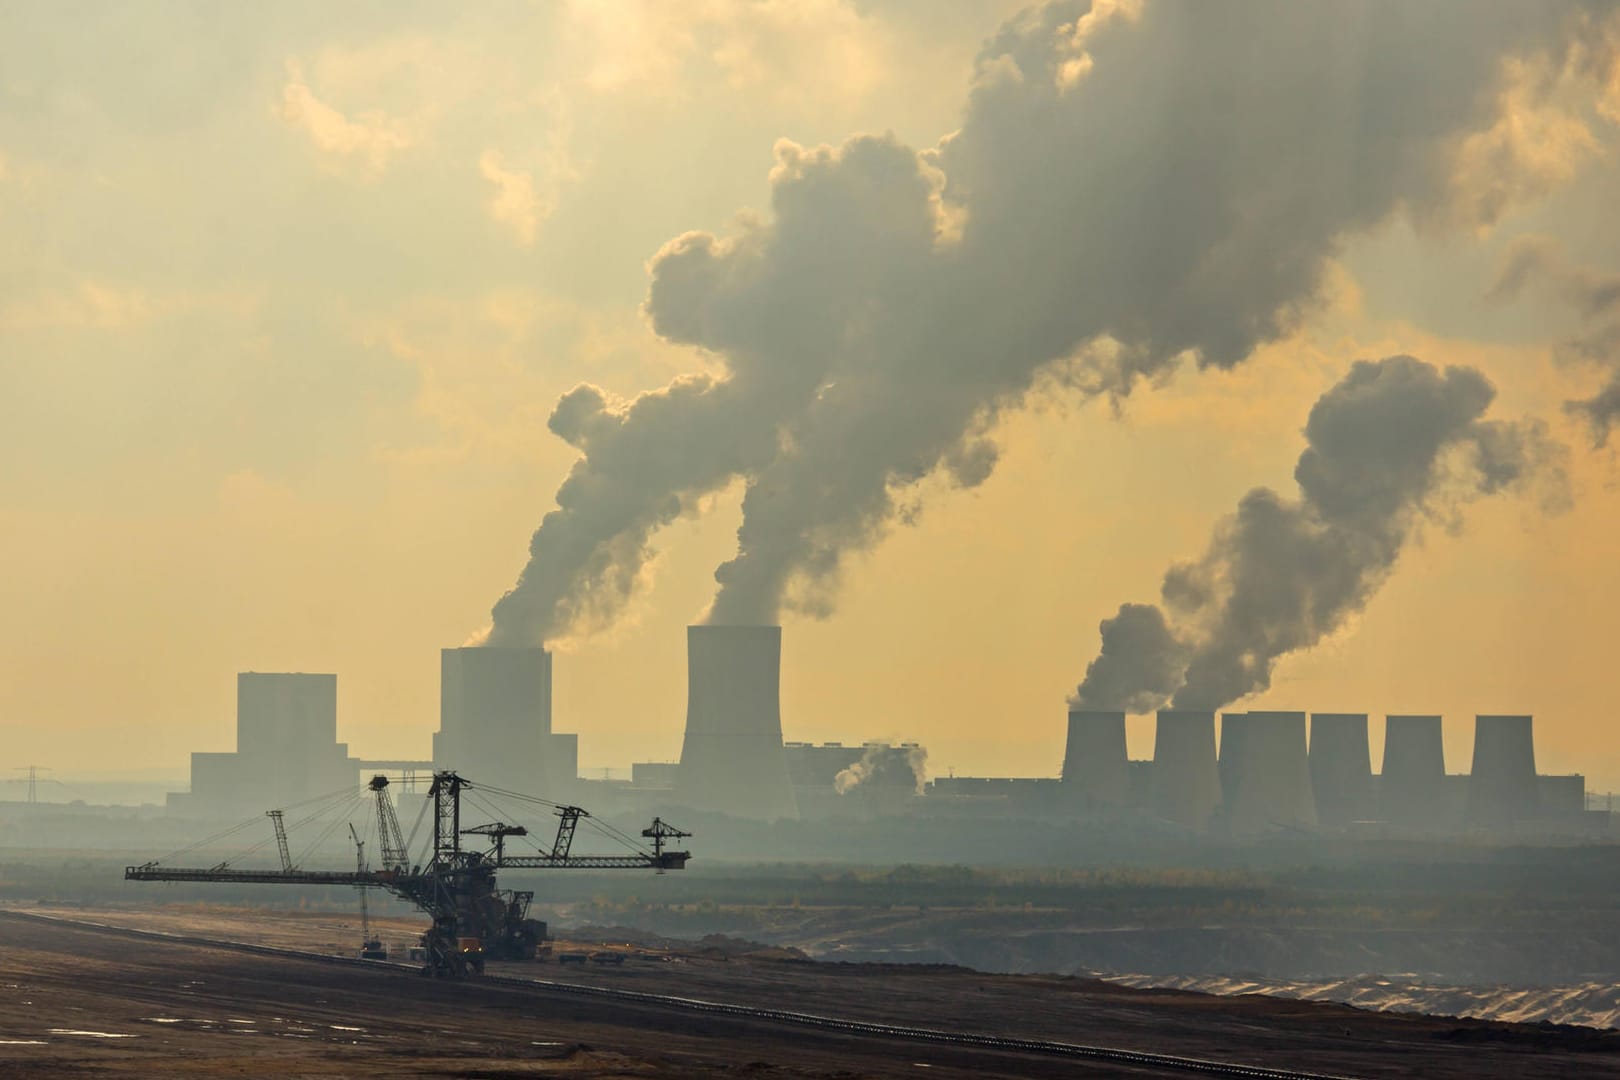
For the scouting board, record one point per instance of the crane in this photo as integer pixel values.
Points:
(371, 948)
(471, 918)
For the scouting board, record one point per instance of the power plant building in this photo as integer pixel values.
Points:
(286, 749)
(654, 775)
(495, 721)
(1562, 798)
(815, 767)
(732, 759)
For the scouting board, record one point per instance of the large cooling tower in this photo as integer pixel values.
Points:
(1232, 732)
(731, 759)
(1096, 772)
(1502, 784)
(1186, 785)
(1411, 787)
(495, 718)
(1341, 768)
(1269, 778)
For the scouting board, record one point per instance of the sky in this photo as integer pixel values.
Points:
(288, 295)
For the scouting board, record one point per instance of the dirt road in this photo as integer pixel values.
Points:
(81, 1001)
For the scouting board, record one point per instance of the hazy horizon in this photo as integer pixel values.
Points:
(289, 295)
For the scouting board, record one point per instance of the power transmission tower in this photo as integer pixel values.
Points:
(33, 772)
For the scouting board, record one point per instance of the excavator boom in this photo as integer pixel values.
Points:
(371, 880)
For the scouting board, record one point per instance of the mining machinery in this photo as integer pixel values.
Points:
(371, 946)
(471, 917)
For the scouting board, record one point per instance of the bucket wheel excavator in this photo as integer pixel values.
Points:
(472, 917)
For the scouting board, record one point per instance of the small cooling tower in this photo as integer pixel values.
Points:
(1096, 772)
(1186, 784)
(1268, 772)
(1502, 784)
(1411, 788)
(1341, 768)
(732, 759)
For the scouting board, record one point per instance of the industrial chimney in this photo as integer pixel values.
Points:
(1096, 772)
(1502, 784)
(1411, 788)
(1341, 768)
(1268, 772)
(1186, 785)
(731, 759)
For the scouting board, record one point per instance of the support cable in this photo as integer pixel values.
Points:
(334, 801)
(342, 816)
(416, 827)
(603, 828)
(239, 826)
(496, 813)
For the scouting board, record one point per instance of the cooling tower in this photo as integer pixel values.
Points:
(495, 718)
(1232, 731)
(1411, 786)
(1502, 784)
(1341, 768)
(1096, 772)
(1270, 780)
(731, 759)
(1186, 785)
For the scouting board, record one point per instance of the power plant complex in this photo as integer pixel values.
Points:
(1238, 774)
(1268, 775)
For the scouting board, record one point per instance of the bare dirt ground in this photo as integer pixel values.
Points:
(77, 1001)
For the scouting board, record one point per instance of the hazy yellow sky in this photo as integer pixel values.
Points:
(287, 294)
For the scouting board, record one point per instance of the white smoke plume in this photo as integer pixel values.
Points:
(889, 770)
(1141, 664)
(1131, 184)
(1394, 444)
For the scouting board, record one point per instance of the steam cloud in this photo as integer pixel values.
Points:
(1595, 295)
(1393, 444)
(1141, 664)
(886, 770)
(1130, 185)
